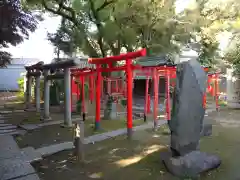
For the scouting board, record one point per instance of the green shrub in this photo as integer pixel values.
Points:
(21, 88)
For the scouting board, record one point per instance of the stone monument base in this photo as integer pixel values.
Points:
(206, 130)
(191, 164)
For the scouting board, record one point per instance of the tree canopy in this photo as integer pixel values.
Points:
(15, 25)
(106, 27)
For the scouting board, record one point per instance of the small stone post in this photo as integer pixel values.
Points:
(67, 97)
(37, 93)
(79, 141)
(46, 95)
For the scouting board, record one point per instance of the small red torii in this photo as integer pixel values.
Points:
(128, 68)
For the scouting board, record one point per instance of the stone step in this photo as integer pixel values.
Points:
(4, 131)
(3, 125)
(17, 132)
(1, 121)
(8, 127)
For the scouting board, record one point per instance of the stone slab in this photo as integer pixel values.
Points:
(8, 148)
(29, 177)
(49, 150)
(190, 165)
(18, 111)
(29, 127)
(14, 168)
(30, 154)
(98, 137)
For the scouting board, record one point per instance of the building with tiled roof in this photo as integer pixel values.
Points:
(10, 75)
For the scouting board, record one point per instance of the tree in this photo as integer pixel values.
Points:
(232, 55)
(210, 18)
(106, 27)
(15, 25)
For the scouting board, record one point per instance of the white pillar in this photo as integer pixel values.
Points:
(46, 96)
(233, 90)
(37, 94)
(67, 97)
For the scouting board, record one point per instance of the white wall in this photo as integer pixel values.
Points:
(9, 77)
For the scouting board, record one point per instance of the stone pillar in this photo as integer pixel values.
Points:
(233, 90)
(67, 98)
(25, 84)
(46, 115)
(37, 94)
(28, 95)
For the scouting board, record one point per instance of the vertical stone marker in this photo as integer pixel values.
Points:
(186, 123)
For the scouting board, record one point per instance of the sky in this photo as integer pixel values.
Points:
(37, 46)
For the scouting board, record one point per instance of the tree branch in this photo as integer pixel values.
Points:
(105, 4)
(58, 11)
(72, 18)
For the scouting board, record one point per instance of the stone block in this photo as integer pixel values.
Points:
(190, 165)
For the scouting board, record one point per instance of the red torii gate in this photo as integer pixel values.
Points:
(80, 74)
(169, 72)
(155, 71)
(128, 68)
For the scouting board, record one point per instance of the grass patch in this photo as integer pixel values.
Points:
(120, 159)
(54, 134)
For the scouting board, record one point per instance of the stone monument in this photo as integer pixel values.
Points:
(186, 125)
